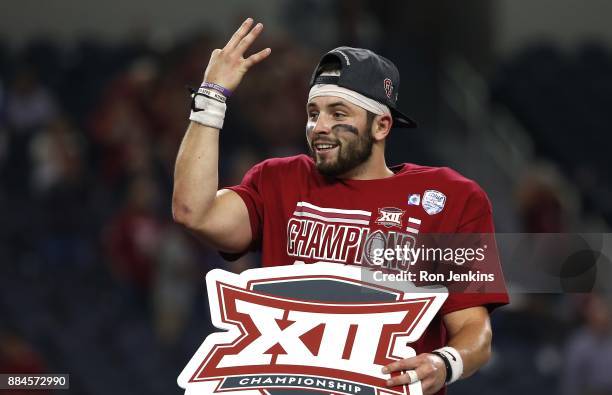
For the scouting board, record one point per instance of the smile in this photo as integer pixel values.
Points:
(320, 147)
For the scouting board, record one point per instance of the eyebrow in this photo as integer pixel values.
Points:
(334, 104)
(337, 104)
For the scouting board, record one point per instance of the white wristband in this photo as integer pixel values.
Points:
(211, 112)
(455, 361)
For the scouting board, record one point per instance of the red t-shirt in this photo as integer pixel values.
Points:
(296, 214)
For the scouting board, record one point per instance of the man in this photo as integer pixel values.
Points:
(351, 109)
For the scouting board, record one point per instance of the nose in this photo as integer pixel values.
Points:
(322, 125)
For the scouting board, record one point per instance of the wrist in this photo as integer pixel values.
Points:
(445, 365)
(217, 87)
(213, 94)
(452, 362)
(207, 110)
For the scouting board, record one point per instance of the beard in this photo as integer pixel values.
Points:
(351, 154)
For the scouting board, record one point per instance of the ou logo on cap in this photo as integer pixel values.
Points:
(388, 87)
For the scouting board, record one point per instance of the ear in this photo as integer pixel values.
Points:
(381, 126)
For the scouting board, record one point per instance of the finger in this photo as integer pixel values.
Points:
(427, 386)
(403, 364)
(247, 40)
(257, 57)
(239, 34)
(402, 379)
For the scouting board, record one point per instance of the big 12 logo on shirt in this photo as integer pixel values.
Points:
(320, 327)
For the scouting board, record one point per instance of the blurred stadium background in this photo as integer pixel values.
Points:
(97, 281)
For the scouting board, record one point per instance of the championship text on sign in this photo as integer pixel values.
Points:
(310, 328)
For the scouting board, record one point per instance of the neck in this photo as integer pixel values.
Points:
(374, 168)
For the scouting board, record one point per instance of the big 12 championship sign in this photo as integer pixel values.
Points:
(307, 329)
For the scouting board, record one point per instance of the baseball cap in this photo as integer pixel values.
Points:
(367, 73)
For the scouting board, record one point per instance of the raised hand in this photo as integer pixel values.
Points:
(227, 66)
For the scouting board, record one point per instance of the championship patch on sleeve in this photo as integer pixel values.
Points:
(433, 201)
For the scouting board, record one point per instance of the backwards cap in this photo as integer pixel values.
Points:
(367, 74)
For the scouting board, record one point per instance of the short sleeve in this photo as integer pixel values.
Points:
(251, 192)
(477, 218)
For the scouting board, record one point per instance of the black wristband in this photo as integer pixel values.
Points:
(449, 369)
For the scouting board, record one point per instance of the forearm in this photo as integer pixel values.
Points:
(473, 342)
(470, 334)
(196, 174)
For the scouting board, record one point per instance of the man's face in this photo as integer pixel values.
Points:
(338, 134)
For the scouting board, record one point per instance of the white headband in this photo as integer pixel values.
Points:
(351, 96)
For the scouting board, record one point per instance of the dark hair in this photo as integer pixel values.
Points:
(329, 65)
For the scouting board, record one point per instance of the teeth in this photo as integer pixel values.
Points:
(324, 146)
